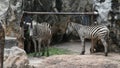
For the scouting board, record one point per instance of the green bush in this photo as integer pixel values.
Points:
(55, 51)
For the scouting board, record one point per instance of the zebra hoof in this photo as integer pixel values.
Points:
(92, 50)
(106, 54)
(82, 53)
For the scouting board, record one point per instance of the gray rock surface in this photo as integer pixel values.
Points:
(16, 58)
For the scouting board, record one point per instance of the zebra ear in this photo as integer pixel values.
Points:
(70, 23)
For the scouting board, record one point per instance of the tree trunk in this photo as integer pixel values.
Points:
(2, 43)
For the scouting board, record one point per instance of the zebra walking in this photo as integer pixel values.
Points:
(42, 34)
(90, 32)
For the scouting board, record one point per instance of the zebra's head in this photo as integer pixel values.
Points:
(31, 26)
(69, 28)
(73, 27)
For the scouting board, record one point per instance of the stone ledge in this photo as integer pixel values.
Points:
(10, 42)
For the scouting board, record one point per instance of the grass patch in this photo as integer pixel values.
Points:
(58, 51)
(55, 51)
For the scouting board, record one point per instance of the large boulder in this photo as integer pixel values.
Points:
(81, 61)
(15, 58)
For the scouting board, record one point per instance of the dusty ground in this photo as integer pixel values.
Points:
(97, 60)
(78, 61)
(74, 46)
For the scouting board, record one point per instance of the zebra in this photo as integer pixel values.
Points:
(90, 32)
(41, 32)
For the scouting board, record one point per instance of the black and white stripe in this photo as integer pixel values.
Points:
(41, 33)
(90, 32)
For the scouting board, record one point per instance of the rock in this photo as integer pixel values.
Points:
(80, 61)
(15, 58)
(10, 42)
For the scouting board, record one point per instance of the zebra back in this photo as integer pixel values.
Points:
(46, 24)
(90, 31)
(42, 30)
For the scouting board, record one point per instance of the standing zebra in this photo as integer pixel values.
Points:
(90, 32)
(42, 34)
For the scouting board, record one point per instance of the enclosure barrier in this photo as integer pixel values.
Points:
(63, 13)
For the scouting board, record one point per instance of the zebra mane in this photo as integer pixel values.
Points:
(76, 25)
(46, 24)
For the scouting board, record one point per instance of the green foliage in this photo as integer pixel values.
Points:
(55, 51)
(58, 51)
(31, 54)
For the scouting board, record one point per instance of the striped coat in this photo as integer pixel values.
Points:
(42, 34)
(90, 32)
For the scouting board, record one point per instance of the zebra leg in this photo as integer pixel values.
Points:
(48, 47)
(29, 44)
(43, 49)
(92, 49)
(35, 47)
(39, 47)
(83, 46)
(105, 46)
(94, 45)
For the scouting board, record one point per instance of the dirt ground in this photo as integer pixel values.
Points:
(74, 46)
(96, 60)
